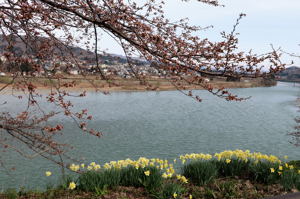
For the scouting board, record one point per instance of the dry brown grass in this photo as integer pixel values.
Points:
(92, 83)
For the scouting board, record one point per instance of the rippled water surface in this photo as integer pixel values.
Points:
(165, 125)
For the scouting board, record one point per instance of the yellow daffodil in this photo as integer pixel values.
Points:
(272, 170)
(164, 175)
(183, 179)
(280, 168)
(48, 173)
(286, 165)
(175, 195)
(228, 161)
(74, 167)
(291, 167)
(72, 185)
(147, 173)
(82, 165)
(107, 166)
(190, 197)
(97, 166)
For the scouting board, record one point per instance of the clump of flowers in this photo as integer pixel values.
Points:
(231, 162)
(246, 156)
(195, 156)
(142, 162)
(198, 168)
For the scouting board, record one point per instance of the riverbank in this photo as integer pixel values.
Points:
(92, 83)
(229, 174)
(225, 188)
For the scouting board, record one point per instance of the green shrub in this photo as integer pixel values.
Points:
(95, 181)
(100, 181)
(290, 179)
(131, 176)
(200, 172)
(295, 163)
(233, 168)
(260, 172)
(168, 191)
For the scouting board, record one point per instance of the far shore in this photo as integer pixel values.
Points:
(129, 85)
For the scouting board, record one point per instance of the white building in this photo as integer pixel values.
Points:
(74, 72)
(3, 58)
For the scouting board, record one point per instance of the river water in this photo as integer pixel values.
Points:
(165, 125)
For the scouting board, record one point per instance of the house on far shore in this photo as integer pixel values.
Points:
(3, 58)
(73, 72)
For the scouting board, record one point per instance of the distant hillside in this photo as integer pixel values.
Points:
(19, 47)
(290, 74)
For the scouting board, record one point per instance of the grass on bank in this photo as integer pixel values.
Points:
(229, 174)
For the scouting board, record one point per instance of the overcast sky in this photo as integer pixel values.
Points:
(267, 22)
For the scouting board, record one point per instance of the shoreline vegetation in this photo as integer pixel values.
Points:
(229, 174)
(93, 83)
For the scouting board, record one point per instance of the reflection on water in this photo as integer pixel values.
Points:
(165, 125)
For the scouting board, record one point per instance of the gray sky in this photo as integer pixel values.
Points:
(267, 22)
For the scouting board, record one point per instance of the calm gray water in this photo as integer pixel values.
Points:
(165, 125)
